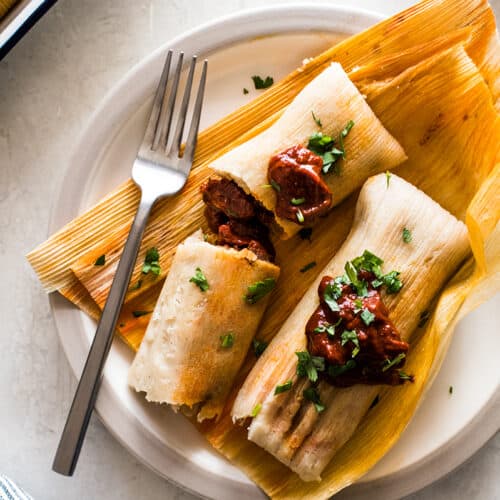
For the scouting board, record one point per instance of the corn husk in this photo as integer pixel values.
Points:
(451, 158)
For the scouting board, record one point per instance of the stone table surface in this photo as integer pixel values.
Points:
(49, 85)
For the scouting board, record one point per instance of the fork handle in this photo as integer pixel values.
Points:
(77, 422)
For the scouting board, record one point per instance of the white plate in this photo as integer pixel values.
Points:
(446, 430)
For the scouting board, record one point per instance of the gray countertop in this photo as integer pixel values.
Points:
(49, 85)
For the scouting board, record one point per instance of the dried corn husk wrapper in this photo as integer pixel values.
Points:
(431, 75)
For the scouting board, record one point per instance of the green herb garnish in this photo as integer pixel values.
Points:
(351, 336)
(256, 410)
(316, 119)
(262, 84)
(200, 280)
(297, 201)
(406, 235)
(258, 347)
(100, 261)
(138, 314)
(392, 282)
(388, 176)
(305, 233)
(300, 216)
(227, 340)
(336, 370)
(259, 289)
(367, 317)
(152, 262)
(245, 91)
(332, 293)
(352, 274)
(275, 185)
(328, 328)
(393, 362)
(312, 394)
(308, 266)
(283, 387)
(404, 376)
(137, 285)
(328, 148)
(309, 366)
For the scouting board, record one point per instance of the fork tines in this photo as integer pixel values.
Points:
(160, 122)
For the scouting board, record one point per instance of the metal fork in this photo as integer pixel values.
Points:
(159, 170)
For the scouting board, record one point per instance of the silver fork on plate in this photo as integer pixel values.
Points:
(159, 170)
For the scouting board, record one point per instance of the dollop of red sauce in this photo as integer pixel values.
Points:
(236, 218)
(297, 172)
(379, 342)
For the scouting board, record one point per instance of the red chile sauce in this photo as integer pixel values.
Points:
(296, 175)
(379, 342)
(236, 218)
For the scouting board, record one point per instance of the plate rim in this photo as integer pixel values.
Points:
(61, 309)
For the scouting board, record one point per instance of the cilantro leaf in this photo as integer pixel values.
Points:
(389, 363)
(309, 366)
(367, 317)
(200, 280)
(258, 347)
(331, 294)
(336, 370)
(392, 282)
(316, 119)
(308, 266)
(262, 84)
(227, 340)
(100, 261)
(259, 289)
(350, 336)
(152, 262)
(406, 235)
(283, 387)
(256, 410)
(312, 394)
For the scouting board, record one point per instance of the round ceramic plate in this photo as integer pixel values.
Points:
(447, 428)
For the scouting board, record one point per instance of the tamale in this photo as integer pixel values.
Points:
(288, 426)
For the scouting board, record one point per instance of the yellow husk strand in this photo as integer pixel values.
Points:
(431, 97)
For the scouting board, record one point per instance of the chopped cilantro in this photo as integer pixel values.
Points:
(137, 285)
(283, 387)
(328, 328)
(351, 336)
(424, 317)
(316, 119)
(393, 362)
(300, 216)
(312, 394)
(325, 146)
(308, 266)
(331, 294)
(200, 280)
(336, 370)
(305, 233)
(138, 314)
(367, 316)
(227, 340)
(404, 376)
(275, 186)
(258, 347)
(100, 261)
(256, 410)
(309, 366)
(152, 262)
(406, 235)
(259, 289)
(245, 91)
(262, 84)
(352, 274)
(392, 282)
(297, 201)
